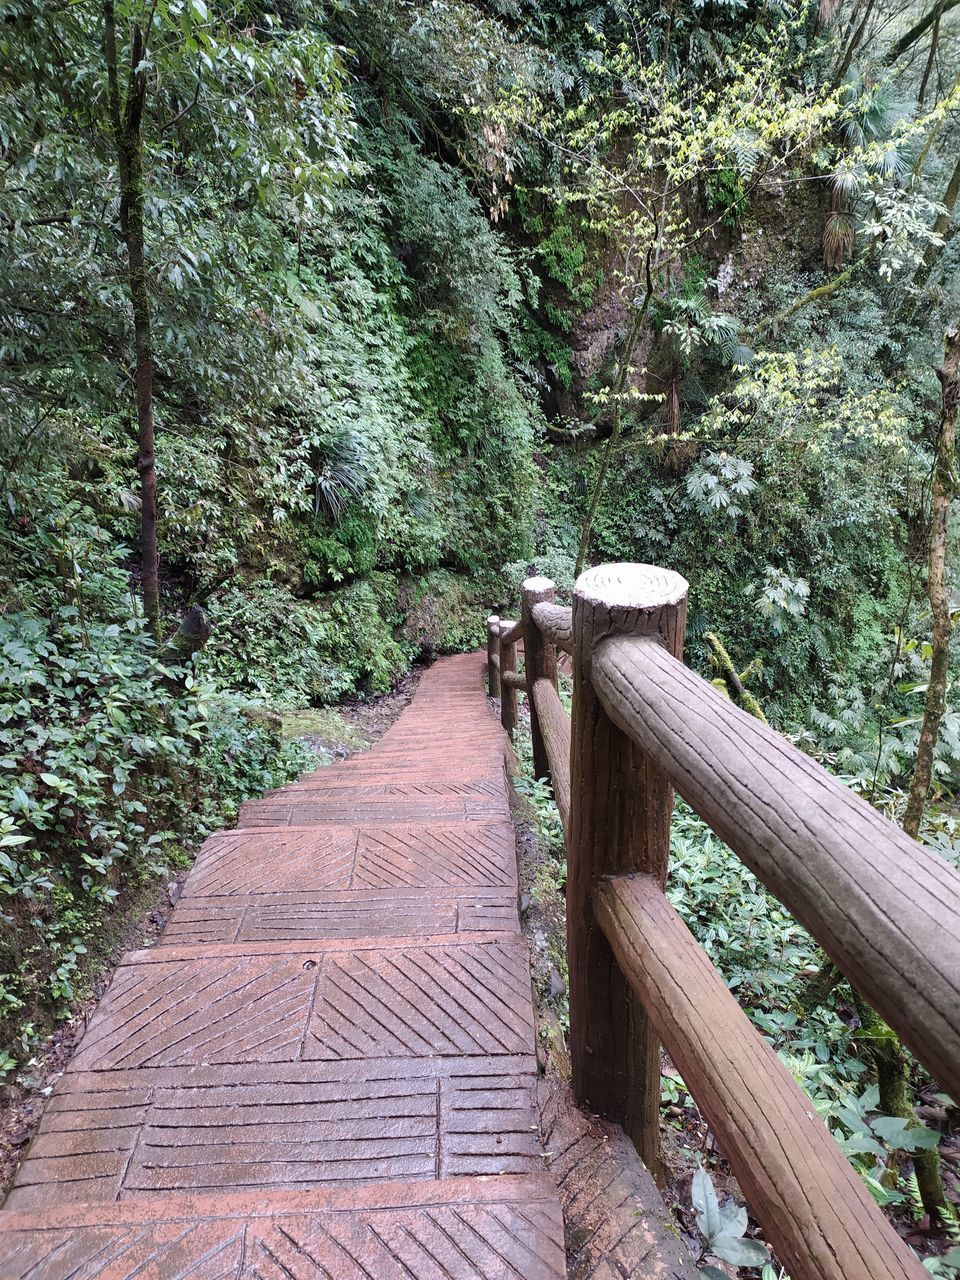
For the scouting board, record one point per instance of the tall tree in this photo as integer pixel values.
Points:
(126, 119)
(162, 160)
(943, 488)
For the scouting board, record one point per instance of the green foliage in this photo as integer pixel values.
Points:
(946, 1267)
(723, 1228)
(108, 758)
(266, 644)
(725, 196)
(344, 431)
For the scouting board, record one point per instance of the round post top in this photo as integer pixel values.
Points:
(631, 586)
(538, 584)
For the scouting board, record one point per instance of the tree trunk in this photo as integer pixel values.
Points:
(941, 228)
(146, 461)
(910, 38)
(853, 45)
(941, 498)
(893, 1085)
(629, 346)
(931, 56)
(127, 118)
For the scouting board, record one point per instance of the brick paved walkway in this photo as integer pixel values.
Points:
(326, 1066)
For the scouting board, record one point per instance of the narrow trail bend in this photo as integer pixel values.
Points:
(326, 1066)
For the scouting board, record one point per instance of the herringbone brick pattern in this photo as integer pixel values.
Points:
(326, 1067)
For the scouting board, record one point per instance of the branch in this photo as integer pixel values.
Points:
(183, 111)
(815, 295)
(910, 38)
(49, 221)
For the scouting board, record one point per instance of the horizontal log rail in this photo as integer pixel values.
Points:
(511, 632)
(886, 910)
(816, 1212)
(555, 622)
(555, 729)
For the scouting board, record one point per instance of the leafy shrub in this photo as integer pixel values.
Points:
(243, 754)
(267, 644)
(109, 759)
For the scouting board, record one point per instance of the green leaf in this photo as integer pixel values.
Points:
(740, 1251)
(903, 1135)
(705, 1204)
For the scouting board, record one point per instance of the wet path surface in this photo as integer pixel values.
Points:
(326, 1066)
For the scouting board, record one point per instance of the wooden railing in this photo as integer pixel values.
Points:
(885, 909)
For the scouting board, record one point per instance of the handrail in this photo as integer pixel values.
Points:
(555, 730)
(886, 910)
(510, 632)
(812, 1204)
(555, 622)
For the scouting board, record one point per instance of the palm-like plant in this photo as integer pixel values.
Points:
(688, 326)
(340, 469)
(870, 114)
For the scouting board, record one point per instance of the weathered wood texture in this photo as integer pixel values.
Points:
(514, 680)
(556, 623)
(615, 1221)
(493, 656)
(619, 822)
(508, 690)
(510, 632)
(885, 909)
(814, 1210)
(555, 728)
(539, 663)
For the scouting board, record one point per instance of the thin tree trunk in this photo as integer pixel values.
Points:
(942, 228)
(629, 346)
(931, 57)
(944, 483)
(127, 120)
(854, 44)
(146, 461)
(893, 1084)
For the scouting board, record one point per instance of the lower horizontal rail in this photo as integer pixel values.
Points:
(555, 730)
(814, 1210)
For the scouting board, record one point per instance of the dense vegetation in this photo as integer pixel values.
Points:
(335, 319)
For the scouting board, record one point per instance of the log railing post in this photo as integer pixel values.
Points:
(493, 656)
(539, 662)
(508, 692)
(621, 805)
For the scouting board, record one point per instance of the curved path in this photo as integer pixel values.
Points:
(326, 1066)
